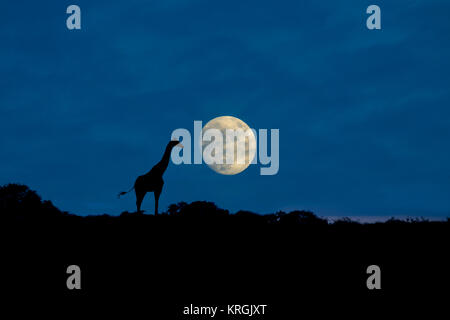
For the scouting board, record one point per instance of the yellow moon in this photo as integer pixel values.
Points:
(222, 124)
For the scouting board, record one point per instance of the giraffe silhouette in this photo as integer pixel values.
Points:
(152, 181)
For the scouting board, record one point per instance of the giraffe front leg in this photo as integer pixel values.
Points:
(157, 194)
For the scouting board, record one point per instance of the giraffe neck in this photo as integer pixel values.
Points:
(162, 165)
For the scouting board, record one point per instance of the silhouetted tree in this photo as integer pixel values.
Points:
(17, 201)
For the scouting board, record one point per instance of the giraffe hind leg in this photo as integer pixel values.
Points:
(139, 197)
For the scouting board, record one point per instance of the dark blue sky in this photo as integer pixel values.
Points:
(363, 115)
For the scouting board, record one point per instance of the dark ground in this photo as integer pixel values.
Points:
(202, 255)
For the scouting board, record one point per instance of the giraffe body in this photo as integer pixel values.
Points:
(148, 183)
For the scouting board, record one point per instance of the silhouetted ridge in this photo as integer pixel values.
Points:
(18, 202)
(203, 247)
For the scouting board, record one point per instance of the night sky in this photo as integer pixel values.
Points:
(363, 115)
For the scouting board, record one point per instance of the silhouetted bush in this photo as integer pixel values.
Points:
(249, 218)
(197, 209)
(346, 221)
(300, 217)
(417, 220)
(175, 209)
(246, 214)
(395, 221)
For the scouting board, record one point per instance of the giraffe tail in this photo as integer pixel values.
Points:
(124, 192)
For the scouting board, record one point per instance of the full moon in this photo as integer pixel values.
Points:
(249, 141)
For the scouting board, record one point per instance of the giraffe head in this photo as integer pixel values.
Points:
(174, 143)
